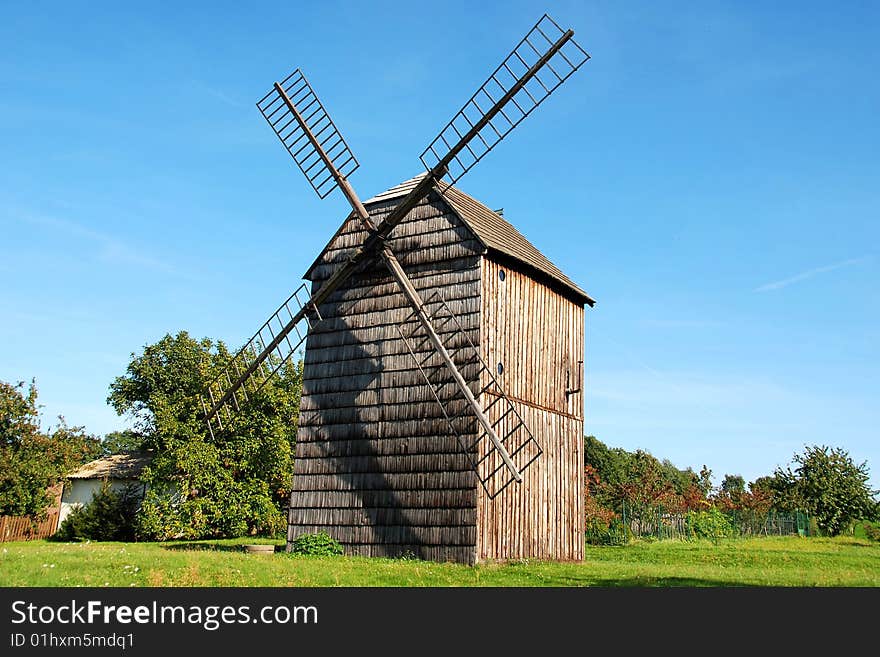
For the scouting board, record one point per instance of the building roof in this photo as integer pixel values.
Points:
(500, 235)
(127, 465)
(496, 234)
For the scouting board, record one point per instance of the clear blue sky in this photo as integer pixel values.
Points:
(710, 177)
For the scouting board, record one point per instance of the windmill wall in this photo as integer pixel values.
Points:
(375, 465)
(536, 332)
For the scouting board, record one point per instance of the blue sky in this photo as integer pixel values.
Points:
(710, 177)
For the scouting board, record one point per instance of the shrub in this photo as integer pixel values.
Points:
(599, 533)
(110, 516)
(711, 523)
(601, 525)
(316, 545)
(872, 531)
(214, 506)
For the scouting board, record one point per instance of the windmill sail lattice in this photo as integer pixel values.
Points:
(292, 133)
(512, 432)
(279, 337)
(545, 58)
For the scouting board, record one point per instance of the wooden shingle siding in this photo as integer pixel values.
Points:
(376, 466)
(431, 234)
(537, 334)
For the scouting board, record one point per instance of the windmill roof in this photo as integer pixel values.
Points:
(496, 234)
(127, 465)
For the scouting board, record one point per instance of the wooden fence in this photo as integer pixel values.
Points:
(25, 528)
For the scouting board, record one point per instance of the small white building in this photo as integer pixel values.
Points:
(120, 470)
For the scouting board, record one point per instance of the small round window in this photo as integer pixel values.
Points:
(500, 368)
(502, 274)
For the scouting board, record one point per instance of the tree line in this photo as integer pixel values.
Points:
(822, 481)
(236, 482)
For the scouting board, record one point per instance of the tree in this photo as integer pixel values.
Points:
(831, 487)
(733, 485)
(639, 479)
(32, 461)
(600, 458)
(597, 517)
(779, 489)
(730, 493)
(757, 500)
(682, 480)
(642, 487)
(231, 484)
(117, 442)
(704, 480)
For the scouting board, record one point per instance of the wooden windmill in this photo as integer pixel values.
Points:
(440, 413)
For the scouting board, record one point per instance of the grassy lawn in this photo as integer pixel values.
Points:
(775, 561)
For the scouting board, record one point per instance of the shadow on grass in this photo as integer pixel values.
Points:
(209, 546)
(856, 542)
(645, 582)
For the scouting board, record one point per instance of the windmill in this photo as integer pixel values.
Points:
(381, 486)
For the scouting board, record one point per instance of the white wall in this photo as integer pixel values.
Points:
(79, 492)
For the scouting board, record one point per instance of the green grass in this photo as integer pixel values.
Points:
(774, 561)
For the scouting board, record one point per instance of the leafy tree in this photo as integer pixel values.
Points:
(638, 479)
(730, 493)
(757, 500)
(600, 458)
(19, 417)
(733, 485)
(117, 442)
(831, 487)
(597, 517)
(31, 461)
(230, 485)
(780, 489)
(704, 480)
(681, 480)
(643, 487)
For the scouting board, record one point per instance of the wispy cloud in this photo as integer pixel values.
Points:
(110, 248)
(810, 273)
(220, 95)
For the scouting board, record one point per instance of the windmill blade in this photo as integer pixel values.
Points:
(514, 90)
(308, 133)
(545, 58)
(299, 119)
(260, 359)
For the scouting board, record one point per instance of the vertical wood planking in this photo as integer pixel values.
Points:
(538, 335)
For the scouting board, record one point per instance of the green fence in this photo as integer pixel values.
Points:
(655, 522)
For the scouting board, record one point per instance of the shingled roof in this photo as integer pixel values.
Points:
(127, 465)
(496, 234)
